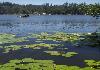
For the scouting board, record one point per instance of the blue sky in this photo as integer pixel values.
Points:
(49, 1)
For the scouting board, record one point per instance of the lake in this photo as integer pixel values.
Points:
(12, 48)
(45, 23)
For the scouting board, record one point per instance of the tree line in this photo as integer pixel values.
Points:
(66, 8)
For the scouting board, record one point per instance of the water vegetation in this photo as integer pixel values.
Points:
(90, 39)
(52, 49)
(31, 64)
(50, 46)
(39, 41)
(10, 38)
(93, 64)
(76, 39)
(58, 36)
(61, 53)
(69, 54)
(56, 53)
(6, 49)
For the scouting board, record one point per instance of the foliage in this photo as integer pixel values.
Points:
(66, 8)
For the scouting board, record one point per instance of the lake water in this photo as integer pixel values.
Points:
(53, 23)
(37, 24)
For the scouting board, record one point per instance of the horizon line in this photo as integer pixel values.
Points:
(49, 3)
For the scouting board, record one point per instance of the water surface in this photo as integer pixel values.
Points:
(37, 24)
(53, 23)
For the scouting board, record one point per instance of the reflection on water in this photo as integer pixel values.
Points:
(38, 24)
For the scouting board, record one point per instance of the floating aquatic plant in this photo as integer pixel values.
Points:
(50, 46)
(38, 41)
(31, 64)
(11, 48)
(69, 54)
(61, 53)
(92, 39)
(6, 49)
(93, 63)
(58, 36)
(53, 53)
(10, 38)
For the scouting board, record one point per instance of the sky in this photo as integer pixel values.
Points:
(57, 2)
